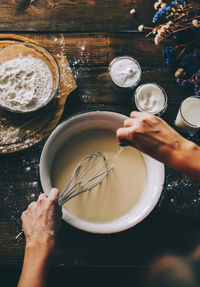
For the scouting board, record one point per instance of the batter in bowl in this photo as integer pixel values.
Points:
(121, 189)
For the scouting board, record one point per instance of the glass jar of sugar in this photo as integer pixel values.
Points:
(151, 98)
(125, 72)
(188, 117)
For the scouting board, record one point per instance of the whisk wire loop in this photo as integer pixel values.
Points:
(70, 196)
(79, 183)
(83, 172)
(75, 171)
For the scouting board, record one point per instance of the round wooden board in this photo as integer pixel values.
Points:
(20, 131)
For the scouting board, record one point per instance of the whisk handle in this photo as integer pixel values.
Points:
(124, 142)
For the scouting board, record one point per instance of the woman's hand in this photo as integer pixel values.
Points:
(41, 223)
(42, 219)
(153, 136)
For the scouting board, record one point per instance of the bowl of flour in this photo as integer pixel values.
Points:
(29, 77)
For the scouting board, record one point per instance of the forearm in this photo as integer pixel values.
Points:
(187, 159)
(35, 267)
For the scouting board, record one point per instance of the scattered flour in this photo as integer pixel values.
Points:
(83, 48)
(25, 83)
(9, 135)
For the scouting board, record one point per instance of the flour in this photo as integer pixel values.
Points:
(9, 135)
(25, 83)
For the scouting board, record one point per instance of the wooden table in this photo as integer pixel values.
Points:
(91, 33)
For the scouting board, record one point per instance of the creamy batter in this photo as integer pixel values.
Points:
(118, 193)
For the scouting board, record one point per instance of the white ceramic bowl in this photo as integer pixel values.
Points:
(110, 121)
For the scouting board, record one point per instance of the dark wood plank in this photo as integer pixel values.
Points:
(98, 49)
(82, 276)
(137, 246)
(71, 16)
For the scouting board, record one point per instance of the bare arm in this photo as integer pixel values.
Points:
(155, 137)
(41, 223)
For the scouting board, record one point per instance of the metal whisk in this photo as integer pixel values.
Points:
(89, 172)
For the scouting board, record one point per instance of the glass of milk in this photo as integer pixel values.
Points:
(151, 98)
(188, 117)
(125, 72)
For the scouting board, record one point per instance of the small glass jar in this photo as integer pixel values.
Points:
(188, 117)
(150, 97)
(125, 72)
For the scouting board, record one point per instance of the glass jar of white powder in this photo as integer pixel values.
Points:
(125, 72)
(29, 77)
(151, 98)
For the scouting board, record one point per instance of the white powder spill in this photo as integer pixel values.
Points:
(35, 184)
(181, 196)
(25, 83)
(65, 68)
(9, 135)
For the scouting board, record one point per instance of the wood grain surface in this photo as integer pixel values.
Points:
(73, 16)
(91, 33)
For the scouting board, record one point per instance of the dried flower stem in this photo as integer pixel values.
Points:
(181, 53)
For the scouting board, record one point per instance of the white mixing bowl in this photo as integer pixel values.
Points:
(109, 121)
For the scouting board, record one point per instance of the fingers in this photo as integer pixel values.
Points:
(32, 205)
(24, 213)
(42, 197)
(53, 196)
(129, 123)
(124, 133)
(141, 115)
(135, 114)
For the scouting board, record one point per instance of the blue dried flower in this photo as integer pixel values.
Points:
(167, 8)
(169, 52)
(161, 13)
(196, 52)
(173, 3)
(186, 60)
(169, 62)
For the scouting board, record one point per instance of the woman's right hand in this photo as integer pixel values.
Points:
(153, 136)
